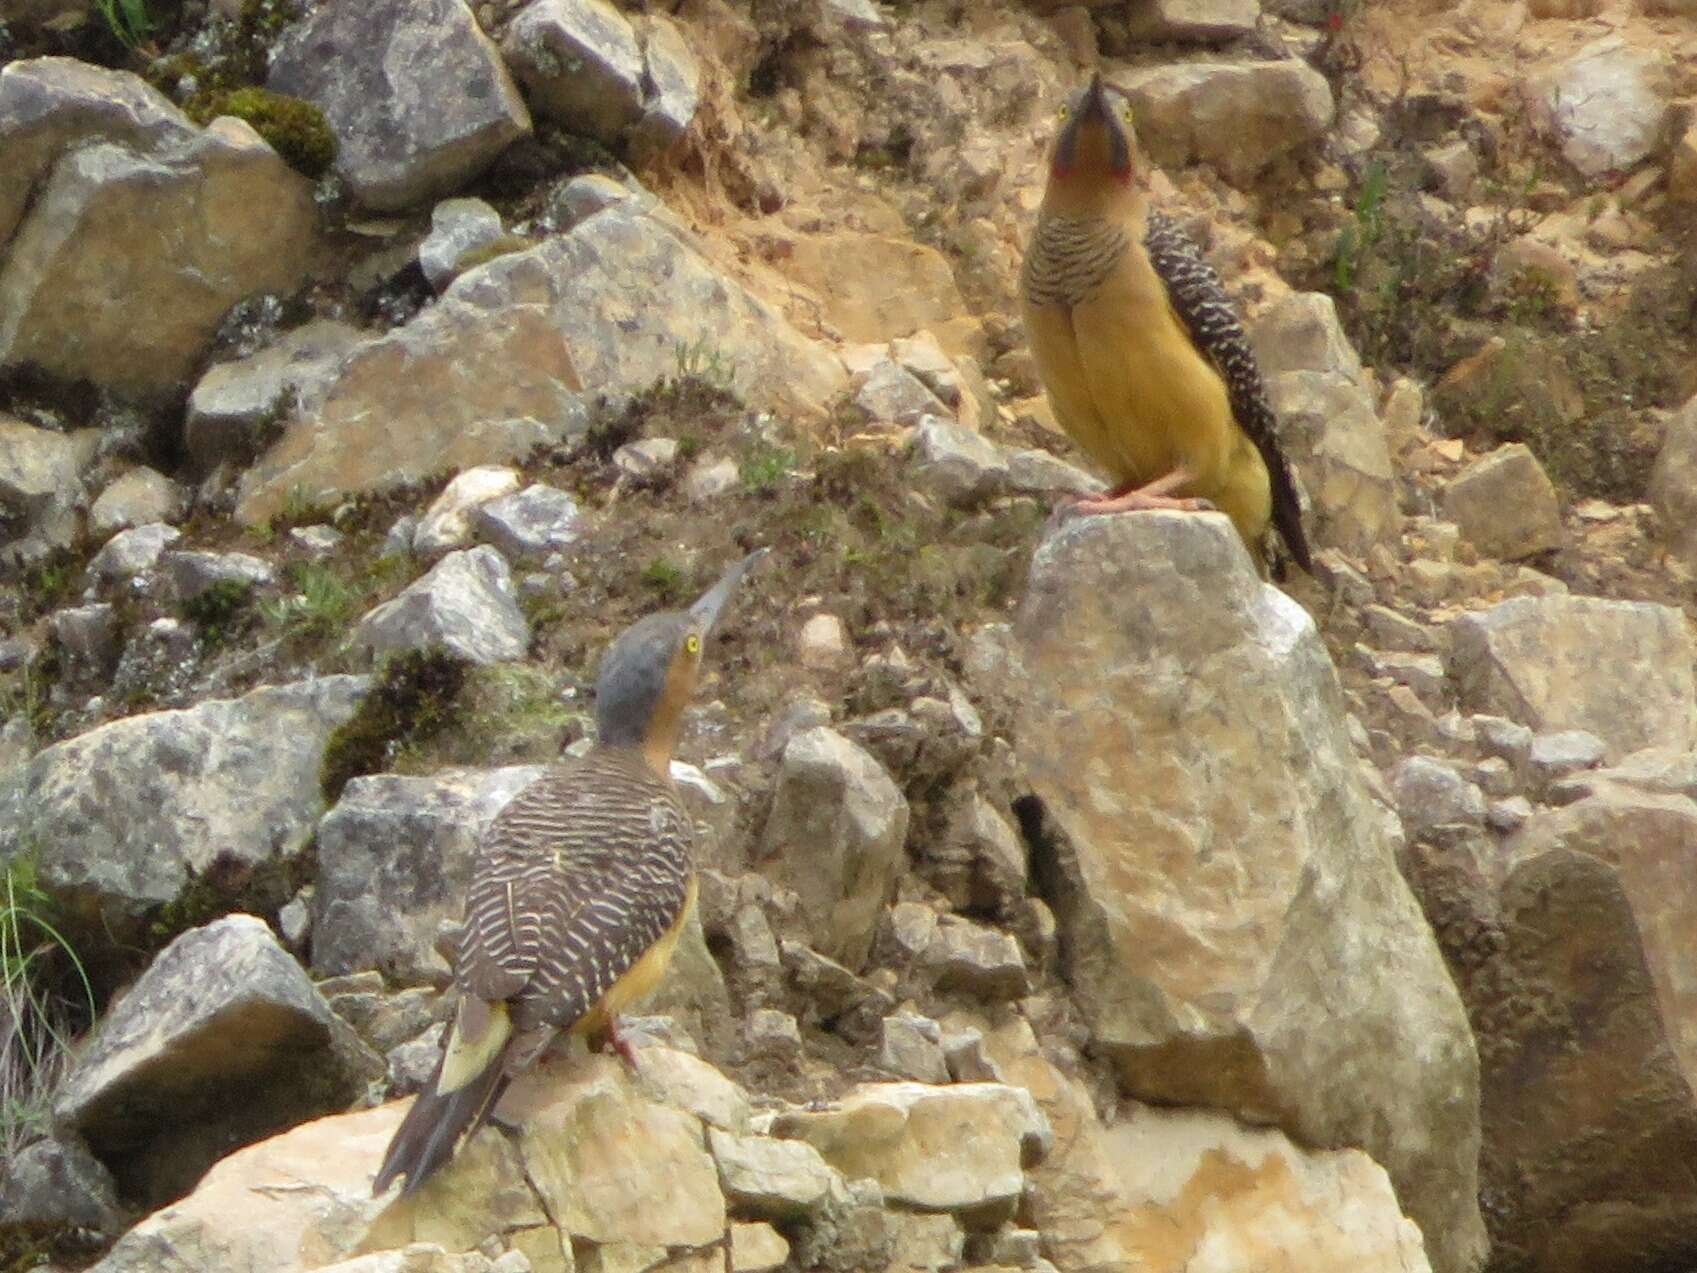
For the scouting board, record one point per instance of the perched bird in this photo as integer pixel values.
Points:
(1145, 364)
(579, 891)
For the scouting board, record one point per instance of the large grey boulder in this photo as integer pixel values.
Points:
(466, 603)
(221, 1042)
(394, 861)
(1505, 504)
(1620, 669)
(130, 232)
(835, 836)
(124, 819)
(1232, 916)
(417, 95)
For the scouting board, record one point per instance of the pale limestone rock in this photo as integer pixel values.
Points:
(89, 637)
(1431, 793)
(41, 480)
(911, 1047)
(232, 782)
(394, 862)
(822, 644)
(101, 280)
(672, 87)
(1565, 752)
(1194, 960)
(1334, 441)
(1673, 484)
(961, 465)
(466, 603)
(580, 63)
(533, 522)
(961, 1149)
(872, 287)
(709, 478)
(446, 524)
(417, 1257)
(835, 836)
(891, 393)
(235, 403)
(139, 497)
(979, 961)
(1605, 105)
(646, 457)
(595, 1147)
(773, 1179)
(1589, 1120)
(302, 1200)
(1202, 1191)
(925, 1243)
(317, 542)
(189, 573)
(458, 228)
(1620, 669)
(1036, 472)
(689, 1083)
(401, 136)
(222, 1041)
(1505, 504)
(1238, 116)
(56, 1183)
(1201, 21)
(1302, 333)
(757, 1248)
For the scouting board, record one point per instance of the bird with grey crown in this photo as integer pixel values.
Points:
(580, 889)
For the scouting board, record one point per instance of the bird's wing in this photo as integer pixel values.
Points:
(568, 893)
(1202, 305)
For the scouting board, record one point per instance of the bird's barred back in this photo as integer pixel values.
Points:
(575, 879)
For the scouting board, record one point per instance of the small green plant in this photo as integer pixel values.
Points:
(220, 612)
(128, 20)
(37, 965)
(1360, 238)
(766, 466)
(322, 603)
(665, 578)
(704, 361)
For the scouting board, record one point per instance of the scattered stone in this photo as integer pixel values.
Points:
(822, 644)
(57, 1184)
(646, 457)
(961, 466)
(394, 861)
(1170, 966)
(1302, 333)
(1422, 673)
(1493, 776)
(1430, 794)
(461, 230)
(530, 523)
(1337, 446)
(400, 137)
(138, 498)
(672, 87)
(237, 406)
(709, 478)
(221, 1042)
(925, 1243)
(1673, 483)
(1606, 105)
(466, 604)
(976, 960)
(689, 1083)
(910, 928)
(398, 542)
(774, 1034)
(757, 1248)
(215, 792)
(132, 552)
(1238, 116)
(578, 198)
(108, 181)
(910, 1047)
(835, 836)
(317, 542)
(190, 573)
(1507, 816)
(1505, 738)
(446, 524)
(41, 479)
(1200, 21)
(581, 65)
(773, 1179)
(1505, 504)
(89, 637)
(1453, 168)
(1620, 669)
(892, 393)
(1035, 472)
(1555, 756)
(959, 1149)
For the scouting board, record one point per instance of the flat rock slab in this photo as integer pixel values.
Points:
(124, 819)
(1219, 870)
(418, 97)
(102, 281)
(1620, 669)
(394, 861)
(222, 1041)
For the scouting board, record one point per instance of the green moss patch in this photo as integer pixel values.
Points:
(295, 129)
(414, 700)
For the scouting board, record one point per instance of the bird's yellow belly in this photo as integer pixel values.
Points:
(642, 978)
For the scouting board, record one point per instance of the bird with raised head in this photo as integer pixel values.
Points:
(1144, 361)
(580, 889)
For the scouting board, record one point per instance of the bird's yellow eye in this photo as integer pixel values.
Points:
(692, 643)
(1125, 111)
(1062, 111)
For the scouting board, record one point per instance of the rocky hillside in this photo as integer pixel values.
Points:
(1071, 898)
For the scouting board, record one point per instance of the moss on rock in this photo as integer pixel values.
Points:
(415, 698)
(295, 129)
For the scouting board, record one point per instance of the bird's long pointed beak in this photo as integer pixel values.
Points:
(712, 602)
(1096, 100)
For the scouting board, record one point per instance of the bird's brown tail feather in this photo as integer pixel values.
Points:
(435, 1125)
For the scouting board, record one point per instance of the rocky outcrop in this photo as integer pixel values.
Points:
(404, 133)
(466, 604)
(101, 280)
(221, 1042)
(1211, 847)
(1505, 505)
(209, 797)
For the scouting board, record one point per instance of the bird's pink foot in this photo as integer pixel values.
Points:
(621, 1043)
